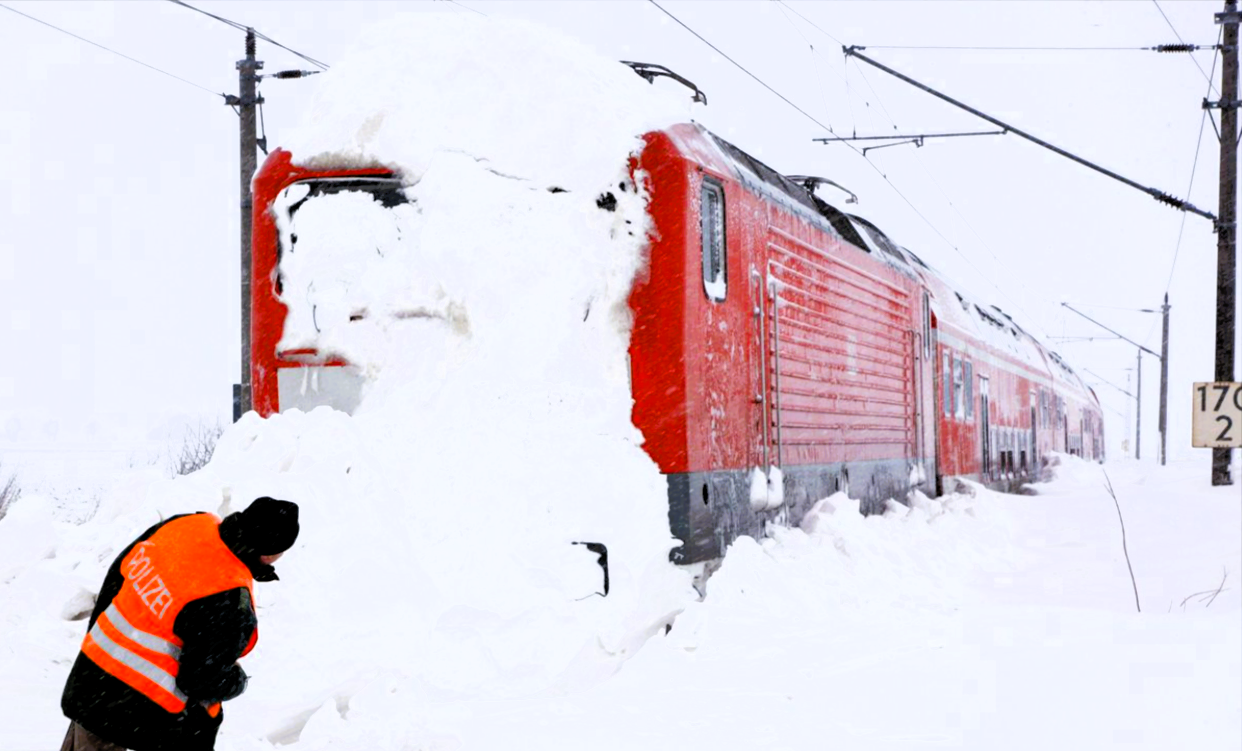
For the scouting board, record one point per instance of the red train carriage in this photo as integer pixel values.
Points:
(764, 337)
(771, 330)
(1005, 400)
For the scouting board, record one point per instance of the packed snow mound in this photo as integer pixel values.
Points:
(445, 522)
(488, 316)
(527, 103)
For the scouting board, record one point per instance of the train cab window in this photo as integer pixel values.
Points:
(946, 377)
(967, 381)
(712, 224)
(959, 405)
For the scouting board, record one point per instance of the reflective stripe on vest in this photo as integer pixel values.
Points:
(150, 641)
(133, 637)
(164, 690)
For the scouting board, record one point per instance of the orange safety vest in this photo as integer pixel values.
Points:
(133, 638)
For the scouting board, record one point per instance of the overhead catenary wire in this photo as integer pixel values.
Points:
(829, 128)
(815, 59)
(260, 35)
(109, 49)
(949, 201)
(467, 7)
(812, 23)
(939, 187)
(1159, 195)
(970, 48)
(1211, 86)
(742, 68)
(1193, 169)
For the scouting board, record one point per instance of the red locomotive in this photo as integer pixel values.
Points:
(770, 329)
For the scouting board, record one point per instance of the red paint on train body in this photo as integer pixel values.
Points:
(267, 312)
(773, 330)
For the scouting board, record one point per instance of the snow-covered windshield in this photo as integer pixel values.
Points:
(343, 247)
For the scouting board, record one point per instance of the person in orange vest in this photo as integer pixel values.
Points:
(175, 613)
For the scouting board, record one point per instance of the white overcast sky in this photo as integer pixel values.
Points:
(119, 185)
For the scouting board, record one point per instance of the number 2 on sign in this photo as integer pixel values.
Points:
(1217, 415)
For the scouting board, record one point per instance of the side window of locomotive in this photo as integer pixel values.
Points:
(712, 224)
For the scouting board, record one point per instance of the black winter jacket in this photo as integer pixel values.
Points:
(215, 631)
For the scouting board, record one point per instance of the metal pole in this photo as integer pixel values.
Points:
(1164, 381)
(1226, 225)
(1138, 407)
(245, 103)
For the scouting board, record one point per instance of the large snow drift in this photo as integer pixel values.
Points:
(441, 521)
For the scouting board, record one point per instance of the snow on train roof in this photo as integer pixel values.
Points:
(711, 149)
(533, 105)
(999, 331)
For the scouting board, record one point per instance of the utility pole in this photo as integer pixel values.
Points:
(245, 102)
(1138, 402)
(1226, 224)
(1164, 381)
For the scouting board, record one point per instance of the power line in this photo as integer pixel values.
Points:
(741, 67)
(1118, 307)
(108, 49)
(467, 7)
(830, 130)
(260, 35)
(1156, 48)
(221, 19)
(953, 206)
(850, 145)
(1194, 168)
(1211, 86)
(804, 18)
(1159, 195)
(936, 182)
(811, 45)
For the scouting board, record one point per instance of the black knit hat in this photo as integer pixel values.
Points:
(268, 526)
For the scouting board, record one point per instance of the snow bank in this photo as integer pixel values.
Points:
(444, 523)
(488, 314)
(526, 102)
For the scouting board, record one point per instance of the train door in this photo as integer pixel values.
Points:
(725, 393)
(985, 428)
(1034, 435)
(925, 412)
(937, 408)
(759, 370)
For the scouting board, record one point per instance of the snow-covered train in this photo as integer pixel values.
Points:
(770, 330)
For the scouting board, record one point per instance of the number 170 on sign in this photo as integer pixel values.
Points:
(1216, 417)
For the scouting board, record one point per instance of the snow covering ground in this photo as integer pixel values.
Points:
(977, 621)
(437, 599)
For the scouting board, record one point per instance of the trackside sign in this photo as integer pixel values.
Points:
(1216, 417)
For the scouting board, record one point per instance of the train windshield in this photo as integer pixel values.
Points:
(343, 245)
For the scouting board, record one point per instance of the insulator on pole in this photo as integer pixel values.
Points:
(1177, 48)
